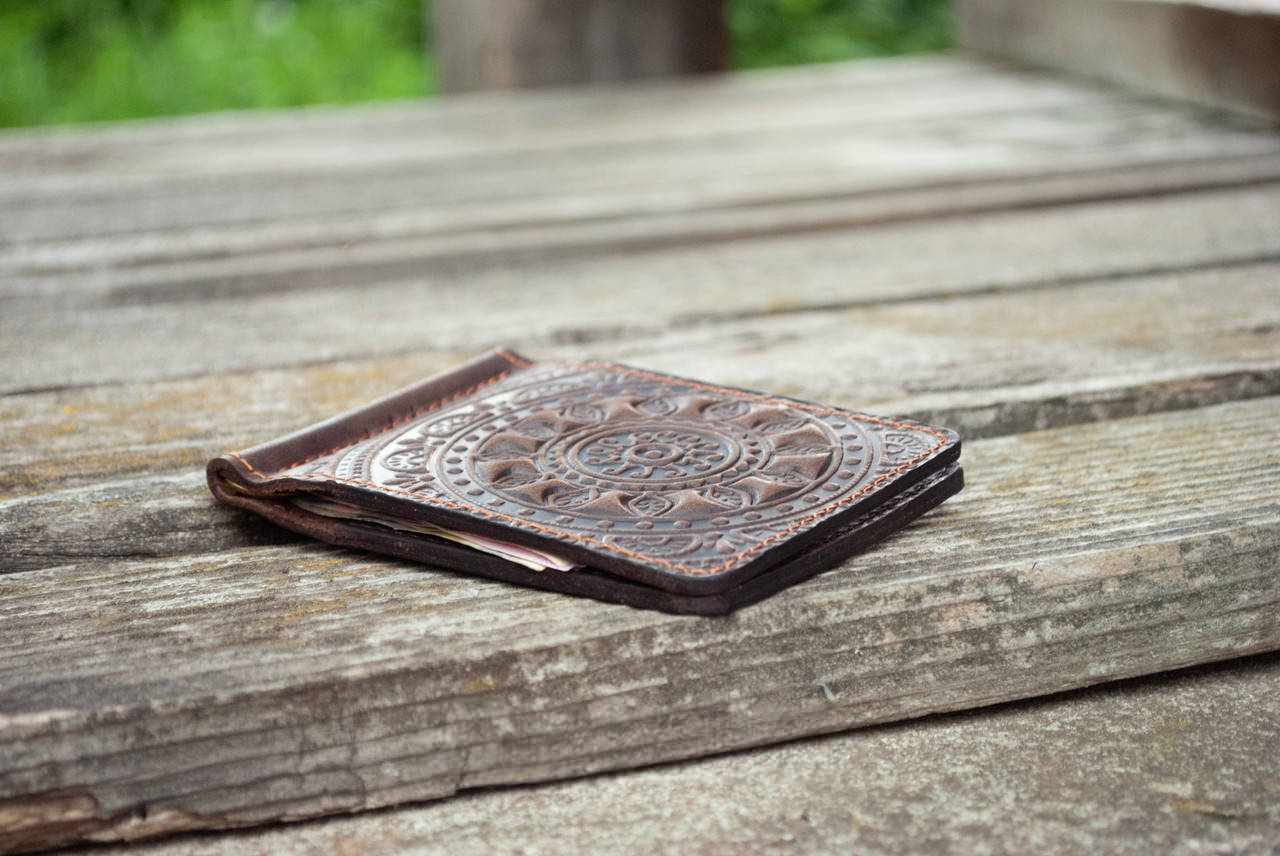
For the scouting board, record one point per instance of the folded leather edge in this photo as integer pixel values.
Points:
(249, 467)
(371, 419)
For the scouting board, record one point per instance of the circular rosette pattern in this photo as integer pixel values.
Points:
(655, 466)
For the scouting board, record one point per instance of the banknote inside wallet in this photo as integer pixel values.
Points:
(534, 560)
(528, 557)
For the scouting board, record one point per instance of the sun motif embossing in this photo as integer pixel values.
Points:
(653, 454)
(676, 469)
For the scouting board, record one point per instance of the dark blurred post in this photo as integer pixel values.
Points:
(507, 44)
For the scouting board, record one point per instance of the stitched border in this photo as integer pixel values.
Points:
(586, 539)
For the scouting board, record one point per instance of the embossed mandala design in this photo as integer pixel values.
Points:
(639, 463)
(649, 453)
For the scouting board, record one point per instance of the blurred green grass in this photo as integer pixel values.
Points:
(90, 60)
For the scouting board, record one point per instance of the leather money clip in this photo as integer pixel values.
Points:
(666, 493)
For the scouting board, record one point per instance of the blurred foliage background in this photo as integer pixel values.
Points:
(88, 60)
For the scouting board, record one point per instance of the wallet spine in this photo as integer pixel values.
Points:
(255, 466)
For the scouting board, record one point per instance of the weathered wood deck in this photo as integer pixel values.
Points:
(1084, 283)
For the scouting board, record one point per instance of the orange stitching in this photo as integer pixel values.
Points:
(512, 358)
(586, 538)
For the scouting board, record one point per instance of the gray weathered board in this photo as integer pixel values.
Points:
(1177, 764)
(1084, 283)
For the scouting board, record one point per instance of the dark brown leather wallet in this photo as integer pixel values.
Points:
(600, 480)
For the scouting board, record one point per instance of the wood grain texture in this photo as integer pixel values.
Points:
(308, 254)
(150, 332)
(82, 467)
(156, 515)
(1179, 764)
(1219, 53)
(218, 185)
(146, 516)
(997, 251)
(646, 199)
(666, 117)
(540, 147)
(1074, 556)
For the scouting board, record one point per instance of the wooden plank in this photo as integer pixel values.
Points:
(137, 335)
(566, 185)
(1219, 52)
(219, 690)
(314, 251)
(1030, 359)
(610, 155)
(443, 152)
(512, 44)
(813, 97)
(147, 516)
(1168, 764)
(989, 246)
(150, 515)
(571, 111)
